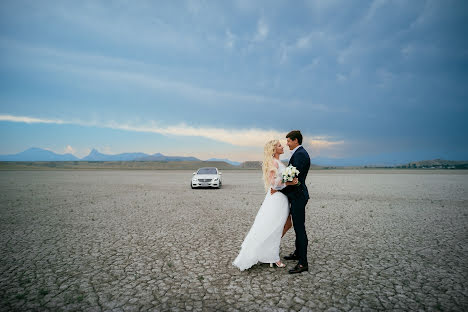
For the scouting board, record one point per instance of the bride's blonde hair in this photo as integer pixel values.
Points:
(268, 163)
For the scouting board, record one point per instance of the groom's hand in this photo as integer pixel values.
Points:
(272, 191)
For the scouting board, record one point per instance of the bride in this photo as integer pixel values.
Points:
(263, 240)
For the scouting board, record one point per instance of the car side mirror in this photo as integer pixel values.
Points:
(194, 173)
(220, 173)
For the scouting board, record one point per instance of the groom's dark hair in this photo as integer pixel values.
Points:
(295, 134)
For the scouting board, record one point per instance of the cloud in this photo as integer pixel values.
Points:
(69, 150)
(284, 53)
(341, 77)
(128, 71)
(407, 50)
(385, 77)
(134, 24)
(374, 7)
(317, 146)
(194, 6)
(230, 39)
(345, 54)
(311, 66)
(322, 143)
(262, 30)
(236, 137)
(30, 120)
(303, 42)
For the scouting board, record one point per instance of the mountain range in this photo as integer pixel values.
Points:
(234, 163)
(39, 154)
(388, 160)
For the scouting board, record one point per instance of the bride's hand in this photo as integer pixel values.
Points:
(293, 182)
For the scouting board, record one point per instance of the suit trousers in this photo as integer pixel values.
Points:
(298, 217)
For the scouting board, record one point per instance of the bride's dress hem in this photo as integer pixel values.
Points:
(258, 262)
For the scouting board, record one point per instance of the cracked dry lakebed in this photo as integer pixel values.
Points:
(129, 240)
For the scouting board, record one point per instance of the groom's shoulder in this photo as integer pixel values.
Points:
(302, 150)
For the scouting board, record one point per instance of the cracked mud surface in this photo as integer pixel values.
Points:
(143, 240)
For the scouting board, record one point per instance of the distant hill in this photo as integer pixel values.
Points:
(94, 155)
(385, 160)
(251, 165)
(234, 163)
(428, 164)
(161, 157)
(38, 154)
(436, 163)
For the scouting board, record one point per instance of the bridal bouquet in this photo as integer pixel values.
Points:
(289, 173)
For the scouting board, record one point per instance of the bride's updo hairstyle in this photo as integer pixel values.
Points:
(268, 164)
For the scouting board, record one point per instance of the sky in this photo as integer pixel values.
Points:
(367, 80)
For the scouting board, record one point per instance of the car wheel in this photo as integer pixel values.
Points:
(191, 185)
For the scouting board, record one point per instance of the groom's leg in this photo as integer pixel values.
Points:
(298, 216)
(295, 242)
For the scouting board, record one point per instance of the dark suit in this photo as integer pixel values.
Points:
(298, 195)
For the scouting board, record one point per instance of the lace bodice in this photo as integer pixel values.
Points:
(276, 180)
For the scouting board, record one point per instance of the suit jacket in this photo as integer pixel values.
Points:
(301, 160)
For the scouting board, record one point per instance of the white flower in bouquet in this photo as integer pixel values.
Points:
(289, 173)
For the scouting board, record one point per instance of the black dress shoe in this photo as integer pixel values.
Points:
(292, 256)
(299, 269)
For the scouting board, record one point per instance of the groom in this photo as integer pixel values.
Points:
(298, 196)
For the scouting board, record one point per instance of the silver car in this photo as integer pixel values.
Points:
(206, 177)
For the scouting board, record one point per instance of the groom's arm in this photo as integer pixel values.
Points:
(302, 163)
(273, 191)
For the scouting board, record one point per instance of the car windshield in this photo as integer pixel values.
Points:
(207, 171)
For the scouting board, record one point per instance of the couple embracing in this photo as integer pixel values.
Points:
(284, 201)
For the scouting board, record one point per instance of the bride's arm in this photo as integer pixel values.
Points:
(276, 182)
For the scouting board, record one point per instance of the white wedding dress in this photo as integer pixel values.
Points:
(262, 243)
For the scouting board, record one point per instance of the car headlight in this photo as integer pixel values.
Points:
(215, 179)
